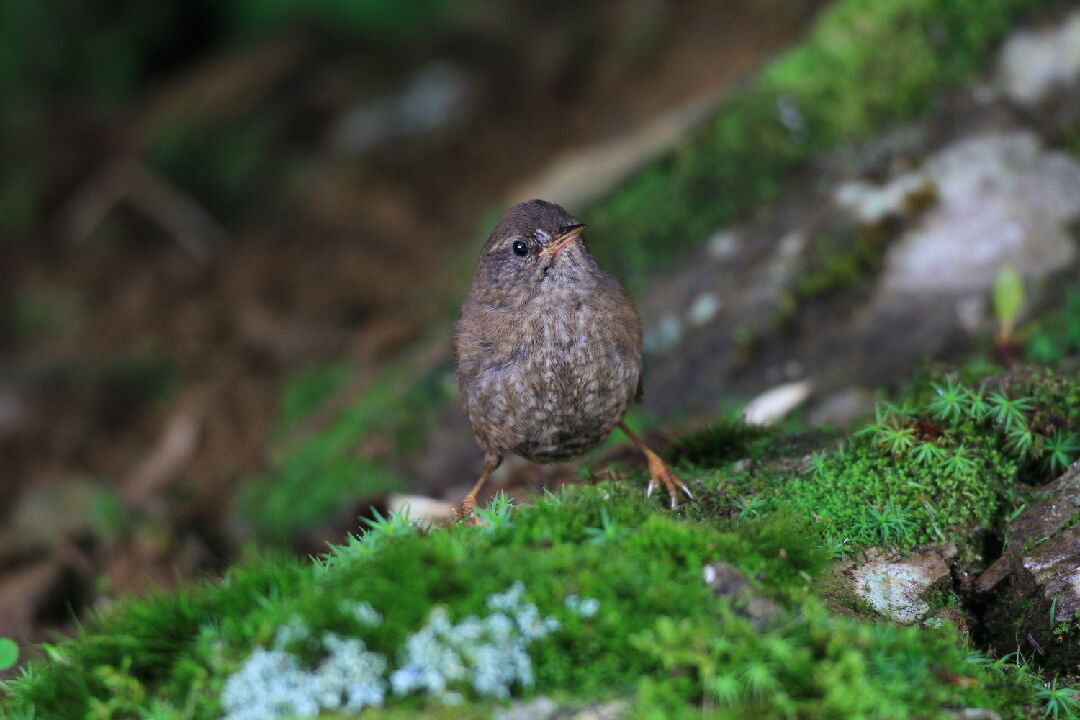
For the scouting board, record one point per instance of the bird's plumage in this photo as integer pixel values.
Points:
(548, 347)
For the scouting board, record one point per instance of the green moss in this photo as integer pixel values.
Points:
(843, 84)
(323, 472)
(306, 391)
(659, 637)
(318, 474)
(1056, 336)
(945, 465)
(831, 269)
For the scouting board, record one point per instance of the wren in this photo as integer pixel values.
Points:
(548, 347)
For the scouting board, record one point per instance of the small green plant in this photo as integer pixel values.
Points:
(952, 401)
(890, 524)
(608, 532)
(928, 454)
(1009, 412)
(1008, 301)
(958, 463)
(1061, 702)
(1020, 441)
(498, 512)
(1059, 450)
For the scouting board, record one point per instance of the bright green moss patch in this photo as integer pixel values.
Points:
(619, 588)
(843, 84)
(948, 462)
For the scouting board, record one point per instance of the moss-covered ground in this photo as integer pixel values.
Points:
(599, 595)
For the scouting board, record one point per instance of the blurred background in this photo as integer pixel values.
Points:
(234, 235)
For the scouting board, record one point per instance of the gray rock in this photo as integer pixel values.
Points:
(1033, 590)
(898, 589)
(1002, 199)
(1042, 519)
(1036, 62)
(544, 708)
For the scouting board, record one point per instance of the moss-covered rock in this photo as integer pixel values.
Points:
(591, 596)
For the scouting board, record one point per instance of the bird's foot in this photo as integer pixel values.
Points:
(466, 512)
(660, 474)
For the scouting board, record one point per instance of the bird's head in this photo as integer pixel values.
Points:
(535, 249)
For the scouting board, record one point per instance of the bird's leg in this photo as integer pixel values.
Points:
(658, 470)
(469, 503)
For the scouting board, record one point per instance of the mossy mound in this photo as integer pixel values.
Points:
(595, 595)
(946, 464)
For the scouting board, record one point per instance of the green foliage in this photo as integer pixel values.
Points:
(831, 268)
(322, 473)
(498, 512)
(843, 84)
(808, 667)
(9, 653)
(1061, 702)
(1059, 450)
(943, 462)
(1009, 412)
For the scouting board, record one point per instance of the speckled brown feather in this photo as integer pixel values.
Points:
(548, 349)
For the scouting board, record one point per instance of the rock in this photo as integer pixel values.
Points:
(872, 204)
(1035, 609)
(1035, 62)
(1060, 503)
(774, 404)
(544, 708)
(726, 580)
(1003, 199)
(1052, 573)
(974, 714)
(1033, 590)
(898, 589)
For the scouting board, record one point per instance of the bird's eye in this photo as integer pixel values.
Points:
(520, 249)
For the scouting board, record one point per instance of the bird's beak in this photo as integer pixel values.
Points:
(572, 233)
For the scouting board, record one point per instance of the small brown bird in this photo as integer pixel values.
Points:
(548, 347)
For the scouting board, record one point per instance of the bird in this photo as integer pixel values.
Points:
(547, 350)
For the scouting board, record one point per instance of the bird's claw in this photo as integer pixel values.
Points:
(661, 474)
(466, 511)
